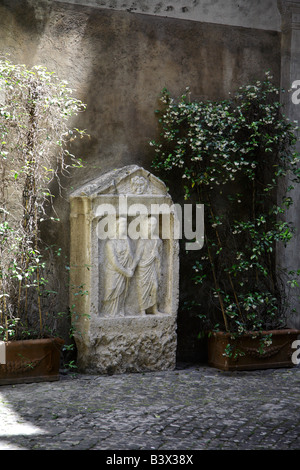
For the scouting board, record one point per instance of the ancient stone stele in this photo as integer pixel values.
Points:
(124, 257)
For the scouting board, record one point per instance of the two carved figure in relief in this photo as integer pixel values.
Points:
(123, 264)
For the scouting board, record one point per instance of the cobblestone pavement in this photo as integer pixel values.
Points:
(190, 408)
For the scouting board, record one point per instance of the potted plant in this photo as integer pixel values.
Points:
(35, 108)
(237, 157)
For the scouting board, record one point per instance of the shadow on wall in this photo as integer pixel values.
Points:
(22, 23)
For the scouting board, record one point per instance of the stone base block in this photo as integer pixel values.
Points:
(129, 344)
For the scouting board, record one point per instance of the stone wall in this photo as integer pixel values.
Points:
(118, 57)
(255, 14)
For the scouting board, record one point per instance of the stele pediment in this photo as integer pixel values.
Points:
(129, 180)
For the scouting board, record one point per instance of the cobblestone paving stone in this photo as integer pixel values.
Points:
(190, 408)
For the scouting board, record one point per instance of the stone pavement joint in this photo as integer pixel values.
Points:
(193, 407)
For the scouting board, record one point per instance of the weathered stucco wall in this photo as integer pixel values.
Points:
(249, 14)
(119, 60)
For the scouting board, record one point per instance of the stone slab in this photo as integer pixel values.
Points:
(124, 290)
(130, 344)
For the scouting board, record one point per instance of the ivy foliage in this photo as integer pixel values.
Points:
(238, 158)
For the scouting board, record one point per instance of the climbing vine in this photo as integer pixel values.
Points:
(233, 156)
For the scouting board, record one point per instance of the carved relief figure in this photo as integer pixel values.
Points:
(118, 270)
(138, 184)
(148, 262)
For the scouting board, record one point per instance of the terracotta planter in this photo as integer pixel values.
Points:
(278, 354)
(33, 360)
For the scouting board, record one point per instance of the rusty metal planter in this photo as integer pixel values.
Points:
(32, 360)
(278, 354)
